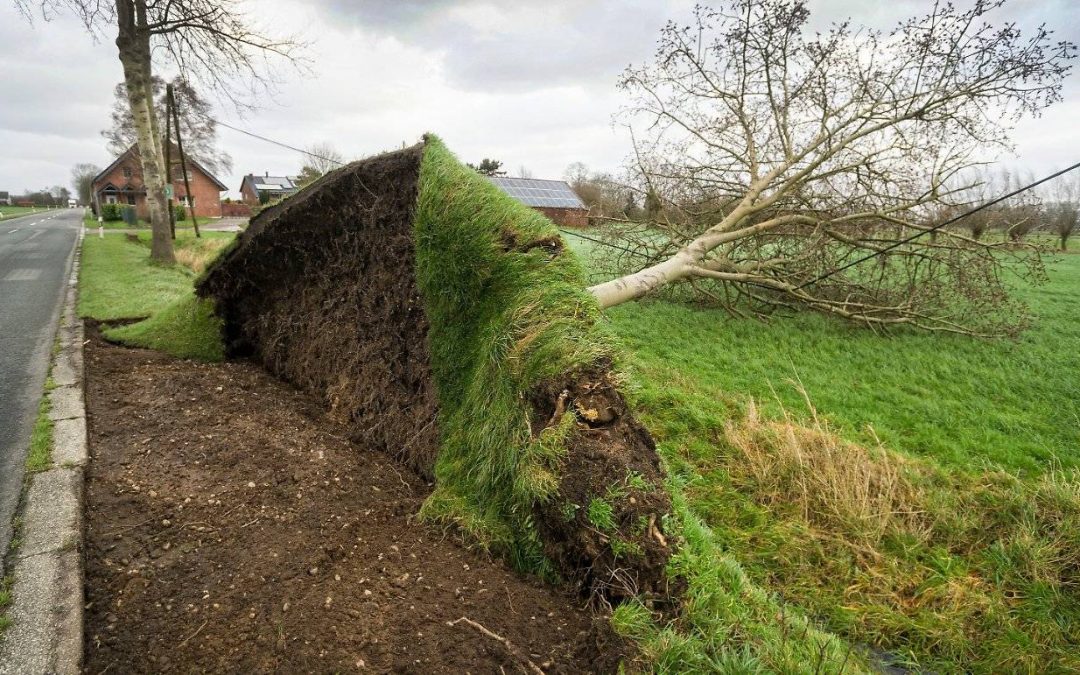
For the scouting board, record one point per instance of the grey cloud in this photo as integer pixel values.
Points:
(404, 15)
(566, 42)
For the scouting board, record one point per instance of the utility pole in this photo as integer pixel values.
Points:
(183, 160)
(168, 159)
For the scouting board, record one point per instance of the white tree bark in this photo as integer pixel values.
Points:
(638, 284)
(133, 42)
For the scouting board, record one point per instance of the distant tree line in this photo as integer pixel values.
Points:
(1053, 209)
(57, 195)
(488, 167)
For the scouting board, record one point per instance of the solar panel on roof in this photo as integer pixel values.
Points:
(534, 192)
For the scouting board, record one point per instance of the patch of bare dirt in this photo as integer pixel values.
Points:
(232, 527)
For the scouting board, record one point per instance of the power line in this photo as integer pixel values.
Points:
(272, 141)
(937, 227)
(801, 286)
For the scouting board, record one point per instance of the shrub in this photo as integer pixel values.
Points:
(111, 212)
(179, 212)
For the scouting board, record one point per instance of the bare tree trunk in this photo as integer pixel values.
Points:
(134, 47)
(638, 284)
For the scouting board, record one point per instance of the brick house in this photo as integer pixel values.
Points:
(121, 183)
(553, 198)
(274, 187)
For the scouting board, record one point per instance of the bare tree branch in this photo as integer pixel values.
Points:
(777, 157)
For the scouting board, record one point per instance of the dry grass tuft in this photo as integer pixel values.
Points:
(197, 254)
(837, 485)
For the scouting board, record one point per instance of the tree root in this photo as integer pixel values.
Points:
(524, 660)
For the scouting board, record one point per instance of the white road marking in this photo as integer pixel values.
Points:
(34, 235)
(23, 275)
(13, 231)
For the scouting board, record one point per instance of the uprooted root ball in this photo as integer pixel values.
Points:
(446, 324)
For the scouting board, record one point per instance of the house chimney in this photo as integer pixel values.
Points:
(267, 175)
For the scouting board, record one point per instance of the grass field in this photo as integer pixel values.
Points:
(914, 493)
(7, 212)
(961, 401)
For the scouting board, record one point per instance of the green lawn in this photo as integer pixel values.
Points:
(91, 221)
(117, 280)
(962, 401)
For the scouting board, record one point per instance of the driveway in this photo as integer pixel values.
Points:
(35, 254)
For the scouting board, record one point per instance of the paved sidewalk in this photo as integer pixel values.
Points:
(47, 607)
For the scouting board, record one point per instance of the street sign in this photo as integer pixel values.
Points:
(168, 192)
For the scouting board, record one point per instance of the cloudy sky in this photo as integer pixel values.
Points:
(532, 84)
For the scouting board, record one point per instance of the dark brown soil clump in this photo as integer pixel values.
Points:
(322, 290)
(232, 528)
(610, 457)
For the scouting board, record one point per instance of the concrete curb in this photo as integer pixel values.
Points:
(47, 598)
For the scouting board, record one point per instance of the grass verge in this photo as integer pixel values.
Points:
(118, 281)
(531, 320)
(90, 221)
(8, 212)
(39, 457)
(5, 601)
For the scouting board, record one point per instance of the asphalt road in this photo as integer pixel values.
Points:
(35, 252)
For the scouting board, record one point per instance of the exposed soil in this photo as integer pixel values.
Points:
(322, 290)
(232, 527)
(611, 456)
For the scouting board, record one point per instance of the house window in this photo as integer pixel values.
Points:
(127, 172)
(184, 200)
(178, 174)
(110, 199)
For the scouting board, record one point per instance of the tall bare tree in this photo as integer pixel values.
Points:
(779, 156)
(1062, 209)
(605, 197)
(320, 159)
(211, 42)
(82, 179)
(197, 126)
